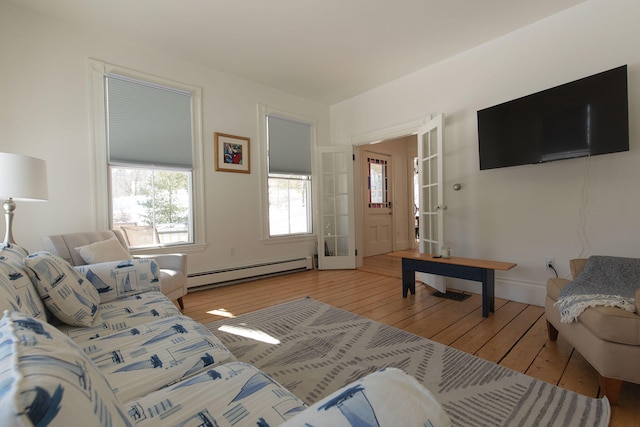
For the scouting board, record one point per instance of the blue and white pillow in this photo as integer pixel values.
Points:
(119, 279)
(64, 290)
(17, 292)
(46, 380)
(388, 397)
(124, 313)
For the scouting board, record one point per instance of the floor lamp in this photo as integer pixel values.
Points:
(22, 178)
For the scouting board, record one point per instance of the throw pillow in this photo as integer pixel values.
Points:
(120, 279)
(17, 293)
(66, 292)
(103, 251)
(382, 398)
(47, 380)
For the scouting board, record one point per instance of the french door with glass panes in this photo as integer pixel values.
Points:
(336, 238)
(431, 194)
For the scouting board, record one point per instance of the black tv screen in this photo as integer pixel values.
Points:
(586, 117)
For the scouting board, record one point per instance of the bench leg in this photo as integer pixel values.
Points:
(408, 279)
(488, 292)
(408, 285)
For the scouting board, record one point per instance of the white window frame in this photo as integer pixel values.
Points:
(307, 179)
(263, 112)
(101, 204)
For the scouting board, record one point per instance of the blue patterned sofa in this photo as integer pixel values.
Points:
(101, 345)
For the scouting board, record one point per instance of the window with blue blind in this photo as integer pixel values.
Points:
(150, 156)
(289, 145)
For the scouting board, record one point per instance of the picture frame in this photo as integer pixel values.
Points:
(232, 153)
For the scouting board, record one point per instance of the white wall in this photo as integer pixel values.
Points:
(44, 112)
(523, 214)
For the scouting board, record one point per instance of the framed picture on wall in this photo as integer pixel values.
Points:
(231, 153)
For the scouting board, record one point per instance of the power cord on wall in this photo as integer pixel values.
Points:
(553, 268)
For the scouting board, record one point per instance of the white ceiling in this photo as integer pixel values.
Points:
(327, 50)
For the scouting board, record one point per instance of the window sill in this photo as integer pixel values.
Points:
(183, 249)
(300, 238)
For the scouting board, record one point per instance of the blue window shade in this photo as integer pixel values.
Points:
(289, 146)
(148, 124)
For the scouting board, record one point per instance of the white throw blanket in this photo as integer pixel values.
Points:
(604, 281)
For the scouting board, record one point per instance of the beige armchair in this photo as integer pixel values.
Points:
(173, 267)
(607, 337)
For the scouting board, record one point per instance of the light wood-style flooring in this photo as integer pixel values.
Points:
(514, 336)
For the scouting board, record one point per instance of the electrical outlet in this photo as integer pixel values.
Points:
(550, 262)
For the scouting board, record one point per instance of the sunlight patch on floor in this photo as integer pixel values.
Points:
(221, 312)
(253, 334)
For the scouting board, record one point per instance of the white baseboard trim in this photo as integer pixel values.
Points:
(514, 290)
(242, 273)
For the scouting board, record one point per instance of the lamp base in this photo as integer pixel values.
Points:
(9, 206)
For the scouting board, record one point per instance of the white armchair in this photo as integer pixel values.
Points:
(173, 267)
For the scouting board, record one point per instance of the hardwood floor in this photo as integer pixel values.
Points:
(514, 336)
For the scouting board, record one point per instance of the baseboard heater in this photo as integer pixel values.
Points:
(239, 274)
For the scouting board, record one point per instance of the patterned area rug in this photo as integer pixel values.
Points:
(322, 348)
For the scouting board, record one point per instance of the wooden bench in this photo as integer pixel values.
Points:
(461, 268)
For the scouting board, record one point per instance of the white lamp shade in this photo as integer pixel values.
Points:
(22, 177)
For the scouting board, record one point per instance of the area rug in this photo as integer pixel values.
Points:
(315, 349)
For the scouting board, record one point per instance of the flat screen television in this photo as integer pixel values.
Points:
(585, 117)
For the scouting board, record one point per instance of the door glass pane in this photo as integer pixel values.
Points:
(377, 183)
(433, 248)
(342, 225)
(433, 141)
(425, 172)
(330, 246)
(341, 162)
(328, 205)
(341, 183)
(376, 187)
(427, 199)
(433, 219)
(328, 184)
(329, 228)
(342, 246)
(433, 170)
(342, 205)
(327, 163)
(426, 146)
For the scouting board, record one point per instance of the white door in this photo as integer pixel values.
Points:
(432, 207)
(377, 209)
(336, 238)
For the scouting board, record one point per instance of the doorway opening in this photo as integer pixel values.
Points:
(387, 199)
(426, 143)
